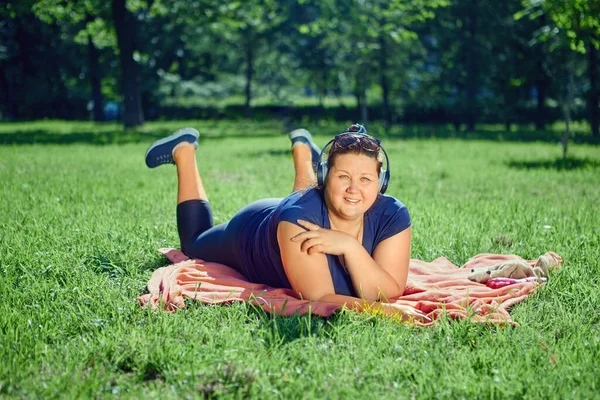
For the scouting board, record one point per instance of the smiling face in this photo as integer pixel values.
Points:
(352, 185)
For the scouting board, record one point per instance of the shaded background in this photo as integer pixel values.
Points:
(462, 64)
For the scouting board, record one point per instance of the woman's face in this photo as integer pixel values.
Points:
(352, 185)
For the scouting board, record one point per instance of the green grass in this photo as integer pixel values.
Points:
(81, 218)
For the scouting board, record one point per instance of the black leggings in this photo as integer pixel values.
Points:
(199, 237)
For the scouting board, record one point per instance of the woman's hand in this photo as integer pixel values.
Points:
(321, 240)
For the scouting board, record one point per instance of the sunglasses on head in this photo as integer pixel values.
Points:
(366, 142)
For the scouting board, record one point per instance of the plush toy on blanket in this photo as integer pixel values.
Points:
(512, 269)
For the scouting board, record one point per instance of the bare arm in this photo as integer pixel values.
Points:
(383, 276)
(308, 272)
(310, 278)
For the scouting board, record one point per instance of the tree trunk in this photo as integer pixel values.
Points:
(507, 111)
(593, 99)
(323, 88)
(133, 114)
(60, 109)
(567, 105)
(540, 86)
(385, 87)
(471, 51)
(249, 74)
(565, 140)
(95, 78)
(364, 111)
(9, 71)
(358, 95)
(541, 82)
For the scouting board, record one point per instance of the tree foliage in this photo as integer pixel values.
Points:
(569, 27)
(443, 61)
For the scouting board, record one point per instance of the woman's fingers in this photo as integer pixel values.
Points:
(311, 233)
(409, 313)
(318, 248)
(304, 236)
(417, 316)
(317, 239)
(307, 244)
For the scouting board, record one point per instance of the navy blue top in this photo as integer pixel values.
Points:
(259, 249)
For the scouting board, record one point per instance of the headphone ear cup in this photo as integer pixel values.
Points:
(384, 176)
(321, 173)
(384, 180)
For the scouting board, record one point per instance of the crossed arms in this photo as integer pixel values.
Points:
(380, 277)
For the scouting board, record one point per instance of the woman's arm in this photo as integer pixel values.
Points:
(308, 273)
(310, 278)
(307, 270)
(382, 276)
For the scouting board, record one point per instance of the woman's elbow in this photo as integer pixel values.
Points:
(391, 293)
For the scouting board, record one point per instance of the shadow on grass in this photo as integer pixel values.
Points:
(558, 164)
(275, 153)
(519, 135)
(279, 330)
(107, 137)
(40, 136)
(116, 266)
(104, 134)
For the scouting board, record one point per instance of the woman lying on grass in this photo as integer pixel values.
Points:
(340, 241)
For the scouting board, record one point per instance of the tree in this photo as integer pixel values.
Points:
(457, 45)
(37, 64)
(574, 26)
(93, 21)
(85, 19)
(368, 38)
(593, 100)
(248, 23)
(125, 27)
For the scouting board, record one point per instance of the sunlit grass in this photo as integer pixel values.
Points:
(81, 218)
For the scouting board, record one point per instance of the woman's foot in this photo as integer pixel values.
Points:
(161, 152)
(302, 136)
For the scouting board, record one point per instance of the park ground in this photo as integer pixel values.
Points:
(81, 218)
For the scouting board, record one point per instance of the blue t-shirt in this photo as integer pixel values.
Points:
(259, 249)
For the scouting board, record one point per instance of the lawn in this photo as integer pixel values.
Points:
(82, 217)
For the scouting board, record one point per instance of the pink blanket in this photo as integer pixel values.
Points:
(435, 288)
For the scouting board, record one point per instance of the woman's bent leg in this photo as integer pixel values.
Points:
(222, 243)
(198, 236)
(304, 154)
(304, 176)
(200, 239)
(194, 215)
(189, 183)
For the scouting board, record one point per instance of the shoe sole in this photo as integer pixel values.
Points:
(300, 133)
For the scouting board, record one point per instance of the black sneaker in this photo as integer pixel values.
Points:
(161, 151)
